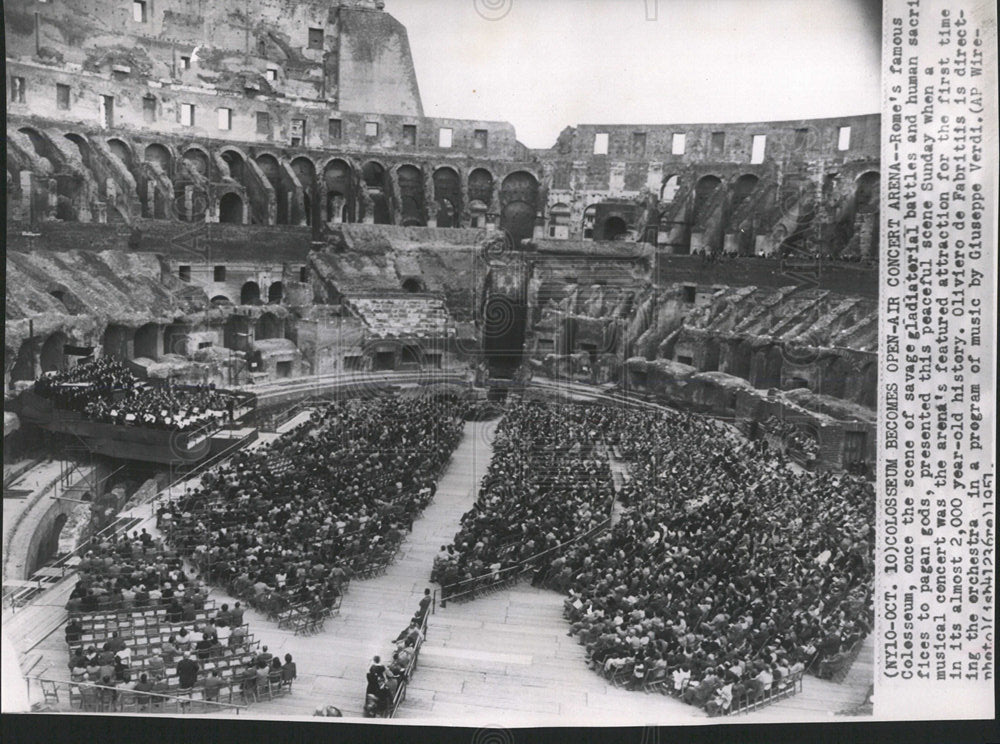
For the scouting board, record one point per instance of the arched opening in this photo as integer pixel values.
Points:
(268, 326)
(221, 301)
(121, 151)
(231, 209)
(250, 293)
(196, 161)
(614, 228)
(374, 176)
(69, 186)
(144, 341)
(481, 191)
(52, 357)
(704, 190)
(115, 342)
(411, 192)
(669, 189)
(237, 168)
(448, 195)
(519, 205)
(48, 547)
(275, 293)
(866, 193)
(59, 295)
(271, 169)
(339, 181)
(159, 155)
(742, 188)
(589, 216)
(82, 146)
(413, 285)
(39, 144)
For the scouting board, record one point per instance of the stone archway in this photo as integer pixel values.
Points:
(231, 209)
(250, 293)
(519, 205)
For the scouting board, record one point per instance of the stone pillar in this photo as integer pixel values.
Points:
(26, 207)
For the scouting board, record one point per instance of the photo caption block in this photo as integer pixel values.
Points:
(935, 620)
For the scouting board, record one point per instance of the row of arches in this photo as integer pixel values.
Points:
(338, 189)
(151, 341)
(251, 294)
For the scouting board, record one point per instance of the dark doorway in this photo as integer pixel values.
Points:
(250, 294)
(503, 334)
(615, 228)
(231, 209)
(275, 293)
(384, 361)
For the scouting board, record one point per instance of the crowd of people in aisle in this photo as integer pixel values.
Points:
(106, 391)
(728, 572)
(548, 481)
(290, 523)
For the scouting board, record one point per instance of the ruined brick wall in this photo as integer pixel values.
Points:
(224, 45)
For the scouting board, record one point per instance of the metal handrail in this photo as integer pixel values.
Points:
(404, 678)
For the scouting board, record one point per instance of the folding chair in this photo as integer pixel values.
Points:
(50, 691)
(128, 702)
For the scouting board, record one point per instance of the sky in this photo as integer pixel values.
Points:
(543, 65)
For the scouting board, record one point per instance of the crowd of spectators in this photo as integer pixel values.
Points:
(123, 573)
(793, 437)
(105, 390)
(727, 573)
(119, 571)
(291, 522)
(548, 481)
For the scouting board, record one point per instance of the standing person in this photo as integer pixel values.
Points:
(187, 671)
(425, 604)
(288, 670)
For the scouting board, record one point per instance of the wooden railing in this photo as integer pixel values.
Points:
(404, 679)
(107, 699)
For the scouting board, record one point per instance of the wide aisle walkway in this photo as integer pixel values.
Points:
(332, 664)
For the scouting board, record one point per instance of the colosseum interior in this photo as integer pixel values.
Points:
(247, 193)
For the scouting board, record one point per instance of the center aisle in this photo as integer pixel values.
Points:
(332, 664)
